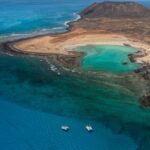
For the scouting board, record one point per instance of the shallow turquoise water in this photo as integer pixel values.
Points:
(108, 99)
(108, 58)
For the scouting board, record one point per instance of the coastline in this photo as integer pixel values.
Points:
(59, 47)
(79, 37)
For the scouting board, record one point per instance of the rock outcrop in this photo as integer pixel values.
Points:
(145, 100)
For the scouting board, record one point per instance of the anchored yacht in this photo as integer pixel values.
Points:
(65, 128)
(89, 128)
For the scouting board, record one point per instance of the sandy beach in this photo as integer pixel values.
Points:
(64, 43)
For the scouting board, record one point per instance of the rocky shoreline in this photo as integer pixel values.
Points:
(144, 72)
(71, 61)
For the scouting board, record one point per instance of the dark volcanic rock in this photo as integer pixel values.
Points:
(115, 10)
(145, 100)
(69, 61)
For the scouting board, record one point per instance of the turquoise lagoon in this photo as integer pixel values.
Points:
(108, 58)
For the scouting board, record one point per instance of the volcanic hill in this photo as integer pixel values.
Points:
(115, 10)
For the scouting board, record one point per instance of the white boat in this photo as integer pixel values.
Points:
(65, 128)
(89, 128)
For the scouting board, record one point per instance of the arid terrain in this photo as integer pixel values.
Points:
(122, 28)
(114, 23)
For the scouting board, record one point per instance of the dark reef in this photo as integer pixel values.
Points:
(145, 100)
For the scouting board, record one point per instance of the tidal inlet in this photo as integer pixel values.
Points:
(74, 75)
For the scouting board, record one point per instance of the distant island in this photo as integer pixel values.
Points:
(111, 23)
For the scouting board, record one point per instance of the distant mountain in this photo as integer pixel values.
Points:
(115, 10)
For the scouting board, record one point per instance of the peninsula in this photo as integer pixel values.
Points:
(113, 23)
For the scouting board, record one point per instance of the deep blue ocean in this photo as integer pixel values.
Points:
(36, 98)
